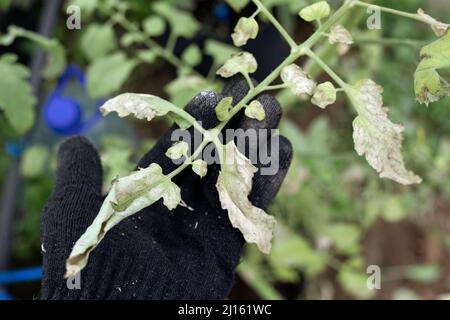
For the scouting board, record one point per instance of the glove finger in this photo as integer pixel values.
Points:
(75, 201)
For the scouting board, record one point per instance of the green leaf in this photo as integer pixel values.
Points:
(182, 23)
(234, 185)
(16, 96)
(297, 80)
(107, 75)
(98, 40)
(87, 7)
(242, 62)
(128, 196)
(428, 80)
(184, 88)
(324, 95)
(220, 52)
(154, 26)
(34, 161)
(4, 4)
(237, 5)
(426, 273)
(375, 136)
(255, 110)
(354, 281)
(147, 55)
(178, 150)
(200, 167)
(223, 109)
(316, 11)
(345, 237)
(131, 38)
(246, 28)
(192, 55)
(56, 62)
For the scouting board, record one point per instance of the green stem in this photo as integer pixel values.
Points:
(327, 69)
(276, 87)
(276, 24)
(413, 16)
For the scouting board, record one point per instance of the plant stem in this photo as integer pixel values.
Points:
(413, 16)
(327, 69)
(276, 87)
(276, 24)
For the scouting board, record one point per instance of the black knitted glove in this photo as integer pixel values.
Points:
(156, 253)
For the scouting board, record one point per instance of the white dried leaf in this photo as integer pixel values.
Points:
(255, 110)
(325, 95)
(128, 196)
(234, 185)
(200, 167)
(376, 137)
(246, 29)
(339, 34)
(178, 150)
(439, 28)
(242, 62)
(142, 106)
(297, 80)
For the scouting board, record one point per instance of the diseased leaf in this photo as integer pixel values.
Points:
(107, 75)
(255, 110)
(200, 167)
(242, 62)
(128, 196)
(439, 28)
(141, 106)
(246, 29)
(316, 11)
(98, 40)
(178, 150)
(297, 80)
(324, 95)
(376, 137)
(428, 82)
(16, 96)
(223, 109)
(338, 34)
(154, 26)
(234, 185)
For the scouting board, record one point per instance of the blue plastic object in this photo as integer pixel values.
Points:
(21, 275)
(222, 12)
(4, 295)
(64, 114)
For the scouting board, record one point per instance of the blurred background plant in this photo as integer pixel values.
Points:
(336, 217)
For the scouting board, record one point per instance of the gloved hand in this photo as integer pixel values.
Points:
(156, 253)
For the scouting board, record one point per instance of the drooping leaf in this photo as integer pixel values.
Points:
(376, 137)
(56, 60)
(316, 11)
(16, 96)
(178, 150)
(128, 196)
(223, 109)
(255, 110)
(182, 24)
(98, 40)
(324, 95)
(234, 185)
(297, 80)
(107, 75)
(339, 34)
(154, 26)
(439, 28)
(200, 167)
(242, 62)
(246, 29)
(428, 81)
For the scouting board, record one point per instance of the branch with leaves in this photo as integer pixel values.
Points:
(375, 136)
